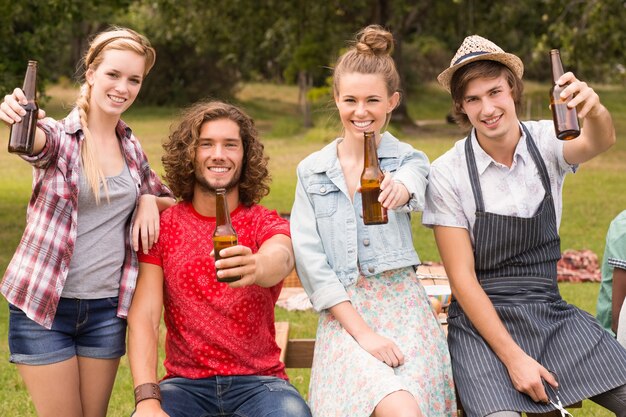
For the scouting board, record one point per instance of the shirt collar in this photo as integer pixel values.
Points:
(483, 160)
(327, 157)
(72, 125)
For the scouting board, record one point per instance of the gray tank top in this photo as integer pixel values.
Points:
(96, 266)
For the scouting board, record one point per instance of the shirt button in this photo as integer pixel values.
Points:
(371, 269)
(366, 242)
(322, 189)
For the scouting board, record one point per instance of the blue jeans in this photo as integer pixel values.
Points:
(232, 396)
(88, 328)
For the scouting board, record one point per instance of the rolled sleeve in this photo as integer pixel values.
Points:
(617, 263)
(443, 206)
(553, 146)
(413, 174)
(329, 296)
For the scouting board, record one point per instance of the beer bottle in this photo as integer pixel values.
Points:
(565, 118)
(224, 235)
(371, 177)
(23, 133)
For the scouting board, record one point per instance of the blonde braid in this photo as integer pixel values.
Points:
(123, 39)
(91, 167)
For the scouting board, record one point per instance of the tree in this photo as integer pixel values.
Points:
(590, 36)
(312, 40)
(53, 32)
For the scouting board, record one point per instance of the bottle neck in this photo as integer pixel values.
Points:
(222, 215)
(557, 66)
(369, 147)
(30, 81)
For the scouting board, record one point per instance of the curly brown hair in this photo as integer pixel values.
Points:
(180, 152)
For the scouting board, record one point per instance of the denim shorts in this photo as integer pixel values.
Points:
(88, 328)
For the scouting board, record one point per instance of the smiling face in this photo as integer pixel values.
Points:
(116, 81)
(363, 103)
(219, 156)
(490, 108)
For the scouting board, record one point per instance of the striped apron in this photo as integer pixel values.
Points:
(515, 261)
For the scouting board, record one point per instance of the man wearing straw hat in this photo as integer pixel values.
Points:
(494, 201)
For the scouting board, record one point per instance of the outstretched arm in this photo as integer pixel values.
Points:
(266, 268)
(455, 248)
(598, 133)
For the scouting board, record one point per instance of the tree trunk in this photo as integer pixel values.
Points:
(382, 14)
(305, 82)
(401, 113)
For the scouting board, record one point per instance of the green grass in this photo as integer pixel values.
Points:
(591, 198)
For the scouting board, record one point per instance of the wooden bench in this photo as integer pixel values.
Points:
(298, 353)
(294, 353)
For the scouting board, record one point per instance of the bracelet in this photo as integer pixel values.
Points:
(147, 391)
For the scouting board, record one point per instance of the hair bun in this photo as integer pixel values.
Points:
(374, 39)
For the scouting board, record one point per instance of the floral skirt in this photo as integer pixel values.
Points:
(347, 381)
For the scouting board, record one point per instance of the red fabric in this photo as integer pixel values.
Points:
(213, 329)
(574, 266)
(578, 266)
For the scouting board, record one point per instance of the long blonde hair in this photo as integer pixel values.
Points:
(115, 38)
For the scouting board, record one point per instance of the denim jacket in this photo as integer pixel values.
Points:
(332, 246)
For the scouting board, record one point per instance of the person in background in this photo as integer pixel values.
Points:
(221, 355)
(609, 310)
(379, 349)
(95, 200)
(494, 201)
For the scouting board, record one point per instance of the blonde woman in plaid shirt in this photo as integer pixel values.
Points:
(71, 280)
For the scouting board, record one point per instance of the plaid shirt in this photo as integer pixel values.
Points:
(36, 275)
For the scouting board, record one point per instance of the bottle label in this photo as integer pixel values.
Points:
(223, 242)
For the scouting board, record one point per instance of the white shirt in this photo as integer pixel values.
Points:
(515, 191)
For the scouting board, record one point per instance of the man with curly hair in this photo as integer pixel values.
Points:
(220, 351)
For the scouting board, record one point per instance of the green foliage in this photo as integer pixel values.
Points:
(192, 62)
(205, 48)
(586, 33)
(427, 53)
(53, 32)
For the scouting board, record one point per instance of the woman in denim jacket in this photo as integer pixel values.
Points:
(379, 350)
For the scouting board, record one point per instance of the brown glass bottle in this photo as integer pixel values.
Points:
(565, 119)
(224, 235)
(22, 136)
(371, 177)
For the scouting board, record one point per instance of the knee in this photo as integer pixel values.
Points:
(398, 404)
(294, 406)
(408, 413)
(398, 412)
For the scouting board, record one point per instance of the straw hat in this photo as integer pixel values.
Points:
(476, 48)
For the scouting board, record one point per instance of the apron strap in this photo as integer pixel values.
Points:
(541, 165)
(473, 173)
